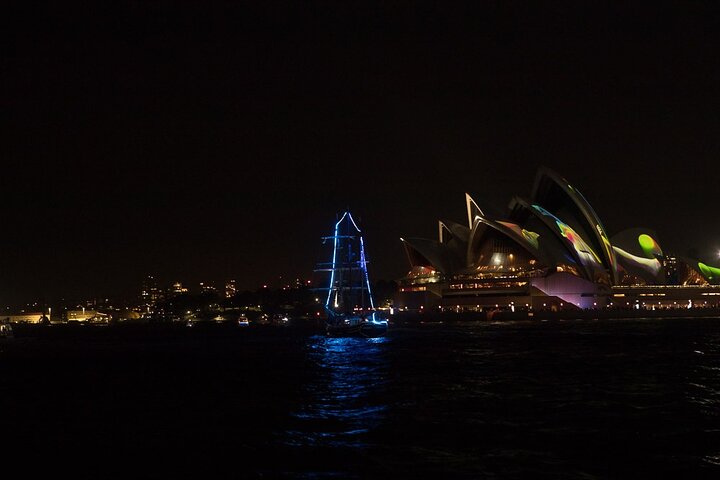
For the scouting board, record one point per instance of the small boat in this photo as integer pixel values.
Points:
(6, 330)
(349, 301)
(280, 320)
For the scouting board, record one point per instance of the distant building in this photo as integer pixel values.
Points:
(178, 289)
(207, 287)
(86, 315)
(230, 289)
(27, 317)
(549, 250)
(150, 294)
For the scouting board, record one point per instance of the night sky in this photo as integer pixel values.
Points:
(200, 142)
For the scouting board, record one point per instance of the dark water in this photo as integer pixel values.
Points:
(565, 399)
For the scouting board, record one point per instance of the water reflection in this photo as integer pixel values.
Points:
(344, 394)
(703, 388)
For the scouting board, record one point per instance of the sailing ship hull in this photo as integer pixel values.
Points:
(358, 328)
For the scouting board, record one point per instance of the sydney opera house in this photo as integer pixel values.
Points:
(549, 251)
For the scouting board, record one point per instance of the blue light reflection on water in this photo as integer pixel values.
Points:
(585, 399)
(575, 399)
(344, 400)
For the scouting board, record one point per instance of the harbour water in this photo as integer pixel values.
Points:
(561, 399)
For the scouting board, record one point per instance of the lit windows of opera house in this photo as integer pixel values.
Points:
(549, 251)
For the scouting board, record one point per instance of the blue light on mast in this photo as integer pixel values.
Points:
(363, 261)
(364, 267)
(332, 272)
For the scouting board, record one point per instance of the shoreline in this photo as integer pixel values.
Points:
(178, 330)
(539, 315)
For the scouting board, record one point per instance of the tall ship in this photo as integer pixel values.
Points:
(349, 302)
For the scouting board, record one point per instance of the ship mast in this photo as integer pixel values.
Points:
(348, 252)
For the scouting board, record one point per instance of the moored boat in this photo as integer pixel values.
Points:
(6, 330)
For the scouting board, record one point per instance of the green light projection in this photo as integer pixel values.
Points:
(711, 273)
(649, 246)
(530, 237)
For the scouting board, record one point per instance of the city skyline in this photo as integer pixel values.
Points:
(201, 142)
